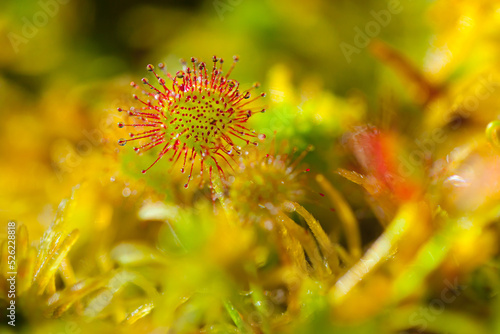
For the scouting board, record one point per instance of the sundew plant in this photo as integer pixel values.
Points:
(286, 167)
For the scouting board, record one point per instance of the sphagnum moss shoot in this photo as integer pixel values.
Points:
(198, 117)
(266, 187)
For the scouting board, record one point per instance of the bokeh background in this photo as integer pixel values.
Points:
(66, 66)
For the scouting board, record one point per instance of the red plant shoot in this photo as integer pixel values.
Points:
(197, 117)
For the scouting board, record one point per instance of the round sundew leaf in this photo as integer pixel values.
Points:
(197, 118)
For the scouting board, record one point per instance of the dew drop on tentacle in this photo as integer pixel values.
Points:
(261, 136)
(163, 68)
(122, 142)
(120, 125)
